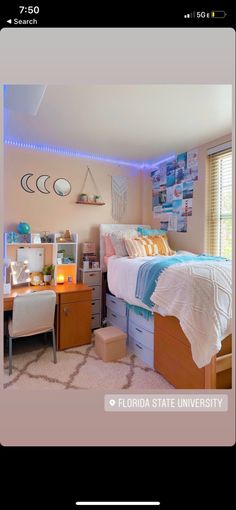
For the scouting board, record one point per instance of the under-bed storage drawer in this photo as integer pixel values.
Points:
(115, 304)
(144, 337)
(118, 321)
(143, 353)
(141, 321)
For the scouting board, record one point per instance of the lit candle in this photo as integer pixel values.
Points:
(60, 278)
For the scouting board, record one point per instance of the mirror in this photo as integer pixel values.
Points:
(62, 187)
(20, 272)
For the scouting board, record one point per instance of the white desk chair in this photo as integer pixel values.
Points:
(33, 314)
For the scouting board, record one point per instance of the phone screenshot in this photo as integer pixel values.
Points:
(117, 253)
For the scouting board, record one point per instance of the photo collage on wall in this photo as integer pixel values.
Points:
(172, 191)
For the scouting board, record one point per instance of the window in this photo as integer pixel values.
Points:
(219, 224)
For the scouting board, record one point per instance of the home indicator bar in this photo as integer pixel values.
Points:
(118, 503)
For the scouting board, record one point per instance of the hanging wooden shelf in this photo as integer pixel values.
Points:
(89, 203)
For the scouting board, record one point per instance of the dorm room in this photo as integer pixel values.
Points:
(131, 251)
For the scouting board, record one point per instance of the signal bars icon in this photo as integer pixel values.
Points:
(190, 15)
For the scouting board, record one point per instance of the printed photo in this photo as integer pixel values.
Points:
(170, 173)
(182, 224)
(177, 191)
(187, 207)
(188, 189)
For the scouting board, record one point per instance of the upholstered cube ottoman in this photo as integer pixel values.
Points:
(110, 343)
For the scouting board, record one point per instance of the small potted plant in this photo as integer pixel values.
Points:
(97, 198)
(48, 272)
(83, 197)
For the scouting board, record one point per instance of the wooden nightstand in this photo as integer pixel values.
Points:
(75, 311)
(93, 278)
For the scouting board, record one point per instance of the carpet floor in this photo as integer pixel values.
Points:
(78, 368)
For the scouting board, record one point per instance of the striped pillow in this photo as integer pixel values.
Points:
(150, 245)
(135, 248)
(162, 244)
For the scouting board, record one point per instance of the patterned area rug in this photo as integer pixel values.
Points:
(78, 368)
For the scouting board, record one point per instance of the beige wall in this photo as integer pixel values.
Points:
(54, 213)
(194, 238)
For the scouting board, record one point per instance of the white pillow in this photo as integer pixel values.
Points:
(117, 239)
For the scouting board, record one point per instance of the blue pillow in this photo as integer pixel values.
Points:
(150, 232)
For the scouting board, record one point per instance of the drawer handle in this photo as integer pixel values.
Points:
(113, 315)
(139, 346)
(112, 300)
(66, 311)
(92, 274)
(139, 330)
(93, 288)
(93, 318)
(93, 303)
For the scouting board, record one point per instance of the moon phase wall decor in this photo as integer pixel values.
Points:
(24, 183)
(41, 183)
(61, 186)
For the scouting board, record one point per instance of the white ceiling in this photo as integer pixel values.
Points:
(140, 122)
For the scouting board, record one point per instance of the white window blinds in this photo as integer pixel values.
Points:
(219, 221)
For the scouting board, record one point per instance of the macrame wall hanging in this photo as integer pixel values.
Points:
(119, 196)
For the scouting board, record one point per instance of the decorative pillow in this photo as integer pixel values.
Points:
(162, 244)
(150, 245)
(118, 241)
(150, 232)
(109, 250)
(135, 248)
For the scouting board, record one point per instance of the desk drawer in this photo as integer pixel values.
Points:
(141, 321)
(117, 320)
(116, 305)
(91, 278)
(146, 338)
(96, 306)
(143, 353)
(73, 297)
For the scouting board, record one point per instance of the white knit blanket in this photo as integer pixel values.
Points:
(200, 296)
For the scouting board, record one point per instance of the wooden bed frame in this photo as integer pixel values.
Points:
(173, 358)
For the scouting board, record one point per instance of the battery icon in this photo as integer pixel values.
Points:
(218, 14)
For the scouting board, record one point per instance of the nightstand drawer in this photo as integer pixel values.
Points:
(96, 321)
(92, 278)
(116, 305)
(96, 306)
(72, 297)
(96, 292)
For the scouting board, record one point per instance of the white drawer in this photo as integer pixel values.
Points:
(91, 278)
(96, 292)
(117, 320)
(143, 353)
(116, 304)
(96, 306)
(141, 321)
(144, 337)
(96, 321)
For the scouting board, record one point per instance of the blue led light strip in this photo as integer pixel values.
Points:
(77, 154)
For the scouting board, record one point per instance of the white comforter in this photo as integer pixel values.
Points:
(122, 277)
(199, 295)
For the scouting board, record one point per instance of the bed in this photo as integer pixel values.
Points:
(173, 352)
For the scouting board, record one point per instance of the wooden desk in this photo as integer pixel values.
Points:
(73, 311)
